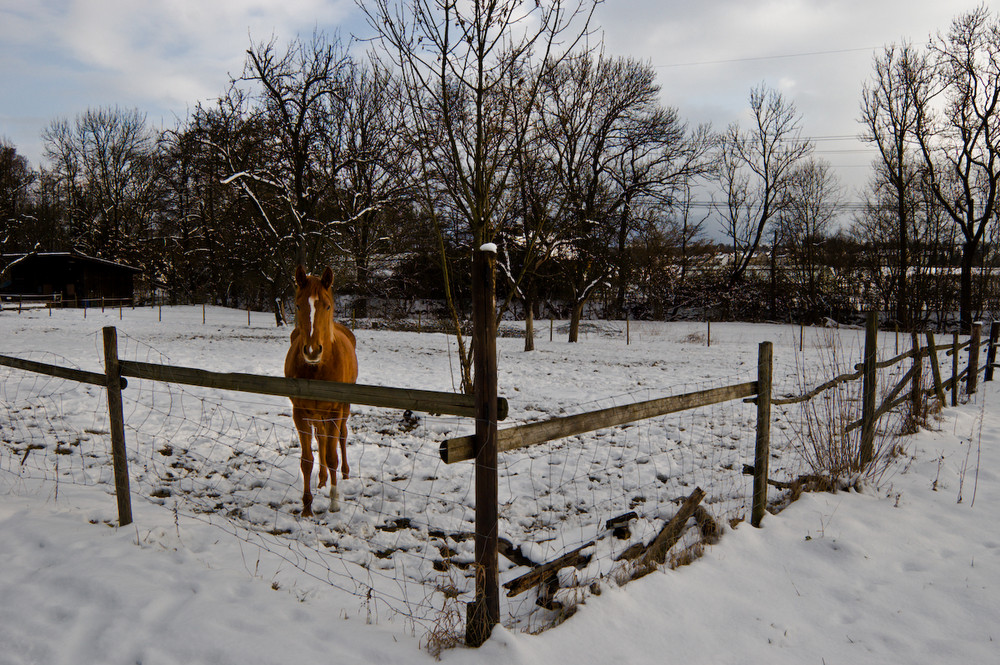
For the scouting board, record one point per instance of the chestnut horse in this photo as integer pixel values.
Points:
(321, 349)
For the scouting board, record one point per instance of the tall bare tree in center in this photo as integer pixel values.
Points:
(297, 97)
(756, 166)
(456, 59)
(889, 116)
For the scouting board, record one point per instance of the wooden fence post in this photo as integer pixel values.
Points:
(954, 369)
(116, 416)
(935, 369)
(868, 391)
(991, 350)
(483, 613)
(916, 392)
(762, 452)
(972, 378)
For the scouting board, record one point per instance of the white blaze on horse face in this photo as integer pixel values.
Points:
(312, 314)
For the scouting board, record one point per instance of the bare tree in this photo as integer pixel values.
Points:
(529, 242)
(755, 168)
(300, 96)
(889, 116)
(811, 203)
(105, 164)
(372, 190)
(960, 143)
(658, 158)
(261, 237)
(456, 59)
(16, 181)
(614, 150)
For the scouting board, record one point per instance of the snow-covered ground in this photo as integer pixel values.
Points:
(220, 568)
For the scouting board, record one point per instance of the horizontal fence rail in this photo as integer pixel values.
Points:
(78, 375)
(327, 391)
(512, 438)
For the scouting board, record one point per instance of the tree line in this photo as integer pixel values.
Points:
(467, 124)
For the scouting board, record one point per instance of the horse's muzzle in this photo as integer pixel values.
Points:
(312, 354)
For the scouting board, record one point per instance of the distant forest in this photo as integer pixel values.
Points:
(393, 167)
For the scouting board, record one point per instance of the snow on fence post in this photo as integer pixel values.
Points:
(117, 420)
(765, 356)
(483, 613)
(972, 378)
(991, 350)
(868, 391)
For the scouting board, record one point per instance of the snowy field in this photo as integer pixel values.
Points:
(219, 567)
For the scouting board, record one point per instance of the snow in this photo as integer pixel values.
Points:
(905, 571)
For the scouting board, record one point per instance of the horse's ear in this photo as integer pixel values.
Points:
(300, 276)
(327, 279)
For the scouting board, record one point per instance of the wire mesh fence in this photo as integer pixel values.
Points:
(403, 539)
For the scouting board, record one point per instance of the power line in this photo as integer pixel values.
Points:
(767, 57)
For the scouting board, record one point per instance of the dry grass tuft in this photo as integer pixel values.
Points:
(448, 628)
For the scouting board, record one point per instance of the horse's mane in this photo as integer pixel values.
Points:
(347, 331)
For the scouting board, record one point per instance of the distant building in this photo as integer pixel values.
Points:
(73, 276)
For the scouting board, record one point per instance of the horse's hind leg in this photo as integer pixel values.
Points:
(304, 428)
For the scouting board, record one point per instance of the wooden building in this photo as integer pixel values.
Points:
(73, 276)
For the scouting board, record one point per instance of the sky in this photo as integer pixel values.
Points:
(60, 57)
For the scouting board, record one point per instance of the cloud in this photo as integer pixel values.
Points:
(59, 57)
(708, 55)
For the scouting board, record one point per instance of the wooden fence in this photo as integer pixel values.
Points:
(759, 391)
(487, 408)
(118, 371)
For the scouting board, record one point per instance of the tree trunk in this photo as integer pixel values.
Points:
(902, 302)
(529, 320)
(279, 305)
(574, 321)
(965, 286)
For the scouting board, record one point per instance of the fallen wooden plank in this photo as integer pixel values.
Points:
(672, 531)
(545, 571)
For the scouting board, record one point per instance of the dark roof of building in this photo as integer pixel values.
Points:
(80, 256)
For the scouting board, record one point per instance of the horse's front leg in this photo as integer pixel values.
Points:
(304, 428)
(327, 439)
(345, 470)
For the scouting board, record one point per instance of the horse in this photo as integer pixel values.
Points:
(320, 349)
